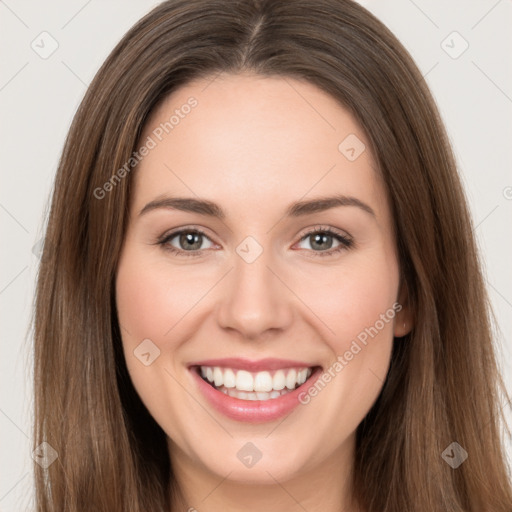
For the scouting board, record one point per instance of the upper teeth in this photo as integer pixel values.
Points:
(259, 381)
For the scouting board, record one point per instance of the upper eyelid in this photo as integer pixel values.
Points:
(171, 234)
(323, 228)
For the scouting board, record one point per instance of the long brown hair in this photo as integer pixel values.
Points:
(443, 384)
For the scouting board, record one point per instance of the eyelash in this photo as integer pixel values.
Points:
(345, 242)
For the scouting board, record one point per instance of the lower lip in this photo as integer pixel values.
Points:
(253, 411)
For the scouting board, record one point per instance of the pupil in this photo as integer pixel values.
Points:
(191, 240)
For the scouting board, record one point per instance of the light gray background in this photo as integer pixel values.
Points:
(38, 98)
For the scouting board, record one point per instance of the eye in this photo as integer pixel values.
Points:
(186, 241)
(321, 241)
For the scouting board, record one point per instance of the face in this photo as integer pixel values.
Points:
(259, 253)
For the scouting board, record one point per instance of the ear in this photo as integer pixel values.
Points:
(404, 321)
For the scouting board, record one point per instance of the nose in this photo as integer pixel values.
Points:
(254, 299)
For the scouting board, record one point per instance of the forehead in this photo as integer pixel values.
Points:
(253, 140)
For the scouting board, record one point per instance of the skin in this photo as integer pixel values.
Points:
(254, 145)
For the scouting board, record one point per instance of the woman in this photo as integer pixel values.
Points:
(260, 288)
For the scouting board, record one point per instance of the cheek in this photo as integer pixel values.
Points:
(354, 298)
(151, 300)
(359, 311)
(358, 306)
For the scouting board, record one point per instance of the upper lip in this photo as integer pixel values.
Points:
(253, 366)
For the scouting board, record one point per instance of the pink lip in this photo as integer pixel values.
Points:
(249, 411)
(253, 366)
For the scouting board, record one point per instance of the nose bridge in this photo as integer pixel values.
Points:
(255, 300)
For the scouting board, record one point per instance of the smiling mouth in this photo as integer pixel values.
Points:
(263, 385)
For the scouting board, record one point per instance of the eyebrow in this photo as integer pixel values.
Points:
(297, 209)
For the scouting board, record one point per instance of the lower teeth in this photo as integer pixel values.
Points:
(252, 395)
